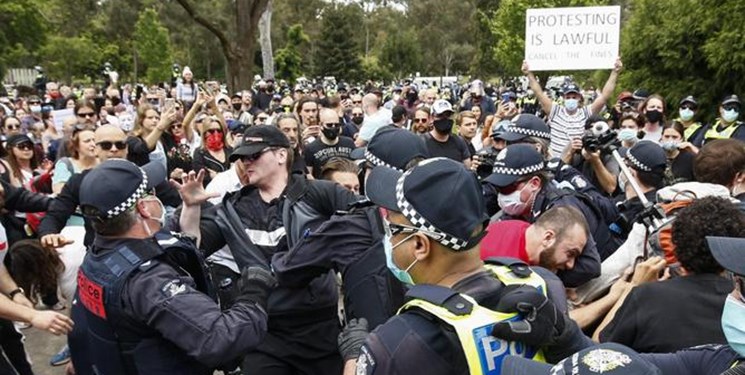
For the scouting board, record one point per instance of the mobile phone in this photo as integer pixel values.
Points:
(169, 103)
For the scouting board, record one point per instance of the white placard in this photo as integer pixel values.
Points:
(581, 38)
(59, 117)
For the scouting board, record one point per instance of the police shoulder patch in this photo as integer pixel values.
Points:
(605, 360)
(365, 362)
(579, 182)
(172, 288)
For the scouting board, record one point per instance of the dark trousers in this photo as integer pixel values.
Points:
(13, 355)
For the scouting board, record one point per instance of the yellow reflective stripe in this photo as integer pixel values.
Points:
(691, 129)
(713, 133)
(507, 277)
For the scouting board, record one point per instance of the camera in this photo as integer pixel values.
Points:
(486, 162)
(593, 142)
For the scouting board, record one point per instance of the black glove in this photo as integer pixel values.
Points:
(541, 321)
(350, 340)
(255, 284)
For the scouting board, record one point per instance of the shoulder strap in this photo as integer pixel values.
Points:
(68, 164)
(441, 296)
(517, 266)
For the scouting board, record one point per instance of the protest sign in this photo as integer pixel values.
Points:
(60, 116)
(578, 38)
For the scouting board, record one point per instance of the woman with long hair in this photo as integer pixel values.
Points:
(215, 150)
(82, 150)
(21, 159)
(186, 90)
(144, 143)
(654, 110)
(680, 154)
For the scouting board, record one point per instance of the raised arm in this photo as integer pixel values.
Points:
(608, 89)
(546, 102)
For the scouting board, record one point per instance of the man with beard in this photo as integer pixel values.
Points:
(330, 144)
(440, 142)
(553, 242)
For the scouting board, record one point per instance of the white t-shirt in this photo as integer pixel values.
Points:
(373, 123)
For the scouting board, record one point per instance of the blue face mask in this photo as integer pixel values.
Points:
(733, 324)
(686, 114)
(730, 115)
(402, 275)
(627, 134)
(571, 104)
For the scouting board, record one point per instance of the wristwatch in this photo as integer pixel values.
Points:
(14, 292)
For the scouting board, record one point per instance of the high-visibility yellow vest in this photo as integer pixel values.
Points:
(692, 129)
(713, 133)
(484, 352)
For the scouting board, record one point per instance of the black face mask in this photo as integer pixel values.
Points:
(443, 126)
(358, 120)
(653, 116)
(237, 106)
(330, 133)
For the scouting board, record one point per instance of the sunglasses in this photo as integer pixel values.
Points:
(34, 103)
(356, 101)
(687, 106)
(731, 107)
(87, 114)
(177, 126)
(213, 131)
(334, 125)
(25, 146)
(107, 145)
(255, 156)
(420, 120)
(13, 126)
(358, 115)
(262, 118)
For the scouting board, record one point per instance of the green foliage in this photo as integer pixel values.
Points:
(68, 57)
(288, 59)
(22, 32)
(685, 47)
(338, 54)
(401, 54)
(374, 70)
(153, 47)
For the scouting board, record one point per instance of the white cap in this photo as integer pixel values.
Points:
(441, 106)
(186, 70)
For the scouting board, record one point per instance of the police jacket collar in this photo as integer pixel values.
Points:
(104, 243)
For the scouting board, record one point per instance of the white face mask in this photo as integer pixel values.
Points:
(511, 203)
(685, 114)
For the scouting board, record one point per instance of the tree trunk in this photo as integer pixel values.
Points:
(265, 39)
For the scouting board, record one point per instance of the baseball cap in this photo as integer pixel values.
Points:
(17, 139)
(513, 162)
(647, 156)
(257, 138)
(624, 95)
(523, 126)
(640, 94)
(115, 185)
(441, 106)
(477, 88)
(731, 99)
(609, 359)
(729, 252)
(412, 192)
(393, 148)
(689, 99)
(569, 88)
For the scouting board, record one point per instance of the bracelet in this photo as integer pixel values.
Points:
(14, 292)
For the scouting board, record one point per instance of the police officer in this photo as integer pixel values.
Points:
(352, 242)
(727, 126)
(524, 190)
(436, 249)
(143, 304)
(694, 130)
(700, 360)
(647, 162)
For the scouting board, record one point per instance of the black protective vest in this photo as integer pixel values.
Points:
(114, 342)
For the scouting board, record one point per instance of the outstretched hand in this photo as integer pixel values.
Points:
(192, 190)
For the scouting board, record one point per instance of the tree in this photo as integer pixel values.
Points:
(288, 59)
(22, 31)
(265, 39)
(238, 50)
(401, 54)
(484, 61)
(68, 57)
(338, 54)
(153, 47)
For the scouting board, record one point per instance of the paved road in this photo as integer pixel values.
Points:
(42, 346)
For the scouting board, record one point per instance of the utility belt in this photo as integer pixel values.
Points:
(473, 323)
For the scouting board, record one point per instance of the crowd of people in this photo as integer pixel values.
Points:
(316, 229)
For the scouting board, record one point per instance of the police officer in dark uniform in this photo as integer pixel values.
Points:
(144, 304)
(694, 130)
(525, 190)
(701, 360)
(727, 125)
(435, 248)
(352, 242)
(646, 161)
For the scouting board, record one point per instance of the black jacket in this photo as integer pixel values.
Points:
(64, 206)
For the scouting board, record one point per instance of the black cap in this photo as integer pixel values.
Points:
(393, 148)
(689, 99)
(398, 113)
(525, 125)
(17, 139)
(606, 359)
(115, 185)
(729, 252)
(513, 162)
(640, 94)
(412, 192)
(257, 138)
(569, 88)
(731, 99)
(647, 156)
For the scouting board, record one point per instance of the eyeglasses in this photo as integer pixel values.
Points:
(87, 114)
(420, 120)
(213, 131)
(107, 145)
(25, 146)
(332, 125)
(255, 156)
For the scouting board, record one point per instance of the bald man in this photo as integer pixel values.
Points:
(329, 145)
(375, 118)
(110, 143)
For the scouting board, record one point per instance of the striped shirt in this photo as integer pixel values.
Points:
(565, 127)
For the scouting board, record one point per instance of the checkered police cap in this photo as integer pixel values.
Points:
(636, 163)
(516, 128)
(374, 160)
(129, 202)
(647, 156)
